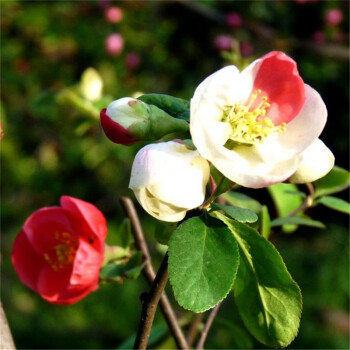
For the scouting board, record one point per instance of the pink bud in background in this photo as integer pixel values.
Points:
(114, 14)
(333, 17)
(132, 60)
(234, 20)
(247, 49)
(114, 44)
(319, 37)
(223, 42)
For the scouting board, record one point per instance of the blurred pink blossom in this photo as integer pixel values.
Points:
(333, 17)
(114, 44)
(234, 20)
(114, 14)
(319, 37)
(132, 60)
(247, 49)
(223, 42)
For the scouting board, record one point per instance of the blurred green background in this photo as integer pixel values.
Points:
(54, 145)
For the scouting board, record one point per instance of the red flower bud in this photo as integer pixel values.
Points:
(59, 251)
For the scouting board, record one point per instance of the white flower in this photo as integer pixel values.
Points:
(255, 125)
(168, 179)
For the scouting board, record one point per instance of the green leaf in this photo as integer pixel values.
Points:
(203, 262)
(125, 232)
(297, 220)
(335, 203)
(163, 231)
(117, 271)
(240, 338)
(241, 200)
(338, 179)
(157, 333)
(265, 222)
(239, 214)
(176, 107)
(268, 299)
(285, 201)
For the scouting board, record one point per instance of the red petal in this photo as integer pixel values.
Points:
(26, 261)
(87, 264)
(114, 131)
(43, 225)
(90, 214)
(279, 80)
(55, 287)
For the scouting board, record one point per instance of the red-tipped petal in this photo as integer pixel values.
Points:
(278, 79)
(114, 131)
(91, 215)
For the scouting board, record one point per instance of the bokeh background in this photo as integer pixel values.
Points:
(53, 143)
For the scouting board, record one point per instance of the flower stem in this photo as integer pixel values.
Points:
(150, 274)
(207, 326)
(307, 202)
(150, 304)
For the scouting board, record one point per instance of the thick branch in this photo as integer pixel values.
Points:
(150, 304)
(149, 273)
(6, 342)
(206, 329)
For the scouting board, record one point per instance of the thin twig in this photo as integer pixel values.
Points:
(150, 304)
(150, 274)
(306, 203)
(193, 331)
(207, 326)
(6, 342)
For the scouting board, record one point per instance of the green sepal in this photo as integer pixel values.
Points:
(119, 270)
(174, 106)
(268, 299)
(203, 262)
(239, 214)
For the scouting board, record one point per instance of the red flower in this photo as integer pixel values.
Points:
(59, 251)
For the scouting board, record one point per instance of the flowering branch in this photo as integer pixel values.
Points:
(150, 304)
(149, 273)
(206, 329)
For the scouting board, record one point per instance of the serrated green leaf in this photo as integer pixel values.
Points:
(335, 204)
(203, 262)
(239, 214)
(285, 202)
(265, 222)
(338, 179)
(241, 200)
(297, 220)
(268, 299)
(176, 107)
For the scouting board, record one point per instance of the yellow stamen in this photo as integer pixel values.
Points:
(63, 254)
(250, 126)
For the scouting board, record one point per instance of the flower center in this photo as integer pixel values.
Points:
(63, 254)
(248, 122)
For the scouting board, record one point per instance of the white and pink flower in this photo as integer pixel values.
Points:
(260, 126)
(169, 179)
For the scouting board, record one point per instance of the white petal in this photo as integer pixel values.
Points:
(317, 161)
(301, 131)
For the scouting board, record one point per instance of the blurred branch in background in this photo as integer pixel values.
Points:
(269, 35)
(6, 340)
